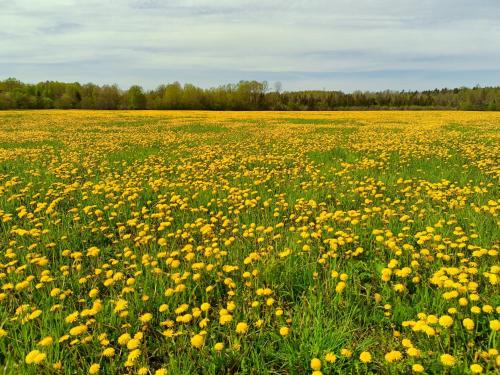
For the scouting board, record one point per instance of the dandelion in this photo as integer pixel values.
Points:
(446, 321)
(35, 357)
(468, 324)
(346, 352)
(241, 328)
(146, 317)
(448, 360)
(94, 368)
(120, 305)
(417, 368)
(78, 330)
(133, 355)
(108, 352)
(340, 287)
(413, 352)
(365, 357)
(330, 357)
(495, 325)
(393, 356)
(284, 331)
(476, 369)
(133, 344)
(197, 341)
(124, 339)
(47, 341)
(315, 364)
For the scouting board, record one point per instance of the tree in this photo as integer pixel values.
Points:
(172, 96)
(135, 98)
(108, 97)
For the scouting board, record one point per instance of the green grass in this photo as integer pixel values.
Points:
(112, 180)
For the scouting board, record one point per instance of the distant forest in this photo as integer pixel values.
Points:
(245, 95)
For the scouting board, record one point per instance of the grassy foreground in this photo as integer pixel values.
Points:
(253, 243)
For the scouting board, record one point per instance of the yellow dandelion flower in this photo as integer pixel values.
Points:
(330, 357)
(46, 341)
(393, 356)
(284, 331)
(417, 368)
(315, 364)
(448, 360)
(241, 328)
(365, 357)
(476, 369)
(197, 341)
(35, 357)
(94, 368)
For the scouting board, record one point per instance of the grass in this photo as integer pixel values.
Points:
(328, 234)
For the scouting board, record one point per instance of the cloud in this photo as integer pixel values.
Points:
(302, 43)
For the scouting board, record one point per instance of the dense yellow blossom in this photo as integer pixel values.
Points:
(192, 242)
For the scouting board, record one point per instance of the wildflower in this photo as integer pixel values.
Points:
(35, 357)
(133, 344)
(346, 352)
(330, 357)
(108, 352)
(340, 287)
(133, 355)
(393, 356)
(315, 364)
(413, 352)
(476, 369)
(94, 368)
(93, 252)
(417, 368)
(197, 341)
(495, 325)
(46, 341)
(146, 317)
(120, 305)
(241, 328)
(284, 331)
(365, 357)
(78, 330)
(71, 318)
(468, 324)
(448, 360)
(124, 339)
(445, 321)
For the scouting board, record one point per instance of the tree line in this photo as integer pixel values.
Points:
(244, 95)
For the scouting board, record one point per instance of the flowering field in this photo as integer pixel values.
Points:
(284, 243)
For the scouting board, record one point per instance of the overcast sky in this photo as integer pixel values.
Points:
(309, 44)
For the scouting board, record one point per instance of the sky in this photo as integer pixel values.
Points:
(310, 44)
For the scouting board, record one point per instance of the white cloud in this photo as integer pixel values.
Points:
(205, 42)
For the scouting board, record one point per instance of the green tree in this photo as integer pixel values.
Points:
(135, 98)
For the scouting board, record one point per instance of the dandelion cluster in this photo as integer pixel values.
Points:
(207, 242)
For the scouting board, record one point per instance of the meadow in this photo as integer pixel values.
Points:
(192, 242)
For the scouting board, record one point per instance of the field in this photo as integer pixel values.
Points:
(253, 242)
